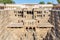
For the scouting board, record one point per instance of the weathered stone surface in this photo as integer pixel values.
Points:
(25, 22)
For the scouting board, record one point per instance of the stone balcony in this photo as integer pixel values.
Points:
(55, 10)
(47, 25)
(15, 25)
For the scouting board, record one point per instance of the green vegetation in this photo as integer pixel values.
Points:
(42, 2)
(58, 1)
(7, 1)
(49, 3)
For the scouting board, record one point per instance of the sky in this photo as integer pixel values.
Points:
(33, 1)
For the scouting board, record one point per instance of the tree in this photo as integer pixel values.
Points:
(7, 1)
(58, 1)
(49, 3)
(42, 2)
